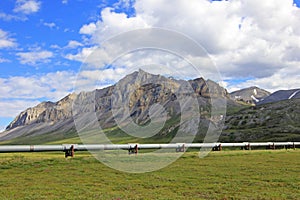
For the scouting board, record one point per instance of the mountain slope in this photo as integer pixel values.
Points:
(277, 121)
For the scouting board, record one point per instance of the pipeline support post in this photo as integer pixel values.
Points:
(271, 146)
(247, 147)
(133, 150)
(69, 152)
(180, 148)
(217, 148)
(294, 146)
(291, 146)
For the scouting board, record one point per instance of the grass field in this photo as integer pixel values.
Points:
(260, 174)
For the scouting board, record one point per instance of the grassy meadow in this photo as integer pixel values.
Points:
(259, 174)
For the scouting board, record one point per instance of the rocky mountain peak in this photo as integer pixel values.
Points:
(208, 88)
(139, 77)
(251, 95)
(45, 112)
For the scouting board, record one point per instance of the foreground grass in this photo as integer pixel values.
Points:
(221, 175)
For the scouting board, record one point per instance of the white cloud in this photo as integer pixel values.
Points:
(8, 17)
(64, 1)
(68, 30)
(52, 86)
(50, 25)
(35, 57)
(123, 4)
(247, 39)
(21, 9)
(114, 23)
(84, 53)
(27, 6)
(102, 75)
(55, 46)
(273, 83)
(17, 93)
(88, 29)
(6, 41)
(73, 44)
(13, 107)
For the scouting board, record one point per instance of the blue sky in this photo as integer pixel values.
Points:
(54, 24)
(45, 27)
(43, 43)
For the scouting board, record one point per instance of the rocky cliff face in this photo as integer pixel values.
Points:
(45, 112)
(137, 92)
(208, 88)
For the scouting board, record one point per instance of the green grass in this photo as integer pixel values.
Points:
(221, 175)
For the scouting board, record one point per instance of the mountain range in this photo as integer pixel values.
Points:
(253, 114)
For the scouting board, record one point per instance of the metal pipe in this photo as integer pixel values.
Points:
(31, 148)
(96, 147)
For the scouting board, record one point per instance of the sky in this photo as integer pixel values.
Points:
(44, 44)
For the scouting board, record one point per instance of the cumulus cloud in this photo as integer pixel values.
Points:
(27, 6)
(12, 108)
(73, 44)
(251, 40)
(113, 23)
(21, 10)
(272, 83)
(18, 93)
(88, 29)
(6, 41)
(35, 57)
(82, 55)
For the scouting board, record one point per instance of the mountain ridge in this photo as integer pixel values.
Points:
(145, 89)
(281, 95)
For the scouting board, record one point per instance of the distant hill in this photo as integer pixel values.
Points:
(251, 95)
(281, 95)
(277, 121)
